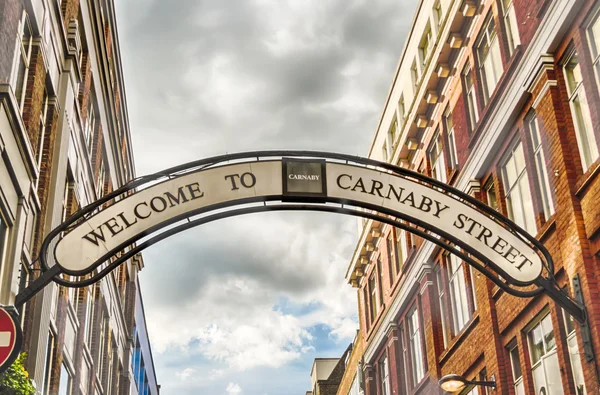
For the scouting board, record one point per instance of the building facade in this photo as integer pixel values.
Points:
(65, 142)
(501, 99)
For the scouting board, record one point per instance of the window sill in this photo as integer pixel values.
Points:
(587, 178)
(458, 339)
(420, 385)
(547, 229)
(372, 329)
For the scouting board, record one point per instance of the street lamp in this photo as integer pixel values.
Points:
(454, 383)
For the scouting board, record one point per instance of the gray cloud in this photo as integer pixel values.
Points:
(205, 77)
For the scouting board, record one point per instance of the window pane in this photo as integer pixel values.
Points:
(516, 365)
(64, 385)
(536, 344)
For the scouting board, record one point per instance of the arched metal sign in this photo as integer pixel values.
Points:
(157, 206)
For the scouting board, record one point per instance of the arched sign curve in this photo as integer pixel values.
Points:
(95, 234)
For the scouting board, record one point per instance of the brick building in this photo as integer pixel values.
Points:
(65, 142)
(501, 99)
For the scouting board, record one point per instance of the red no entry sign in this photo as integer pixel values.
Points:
(10, 336)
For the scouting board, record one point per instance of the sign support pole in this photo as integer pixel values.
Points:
(36, 286)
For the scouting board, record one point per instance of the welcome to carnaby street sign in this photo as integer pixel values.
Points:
(100, 236)
(154, 207)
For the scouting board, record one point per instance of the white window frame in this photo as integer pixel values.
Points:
(385, 375)
(436, 157)
(416, 346)
(401, 117)
(441, 298)
(65, 369)
(451, 137)
(540, 166)
(490, 194)
(549, 351)
(489, 57)
(593, 35)
(22, 56)
(401, 248)
(580, 111)
(518, 383)
(373, 296)
(574, 354)
(470, 96)
(425, 46)
(518, 193)
(510, 24)
(457, 284)
(90, 126)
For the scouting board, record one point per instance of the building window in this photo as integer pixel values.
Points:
(42, 129)
(414, 72)
(391, 137)
(401, 119)
(68, 197)
(65, 383)
(384, 152)
(442, 303)
(384, 372)
(89, 128)
(594, 40)
(540, 167)
(517, 191)
(517, 374)
(416, 350)
(449, 125)
(458, 293)
(510, 24)
(574, 355)
(425, 46)
(544, 359)
(3, 236)
(488, 57)
(101, 345)
(25, 44)
(100, 179)
(48, 363)
(436, 158)
(490, 194)
(373, 305)
(470, 97)
(380, 280)
(405, 367)
(401, 249)
(437, 13)
(584, 132)
(392, 264)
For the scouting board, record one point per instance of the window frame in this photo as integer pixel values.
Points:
(540, 362)
(468, 85)
(458, 293)
(511, 25)
(488, 36)
(580, 113)
(509, 157)
(450, 138)
(539, 158)
(436, 157)
(22, 56)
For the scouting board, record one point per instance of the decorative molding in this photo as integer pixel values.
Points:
(425, 286)
(549, 84)
(474, 187)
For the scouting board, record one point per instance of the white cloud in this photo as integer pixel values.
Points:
(233, 319)
(233, 388)
(209, 77)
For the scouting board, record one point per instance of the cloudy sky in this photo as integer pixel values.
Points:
(244, 305)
